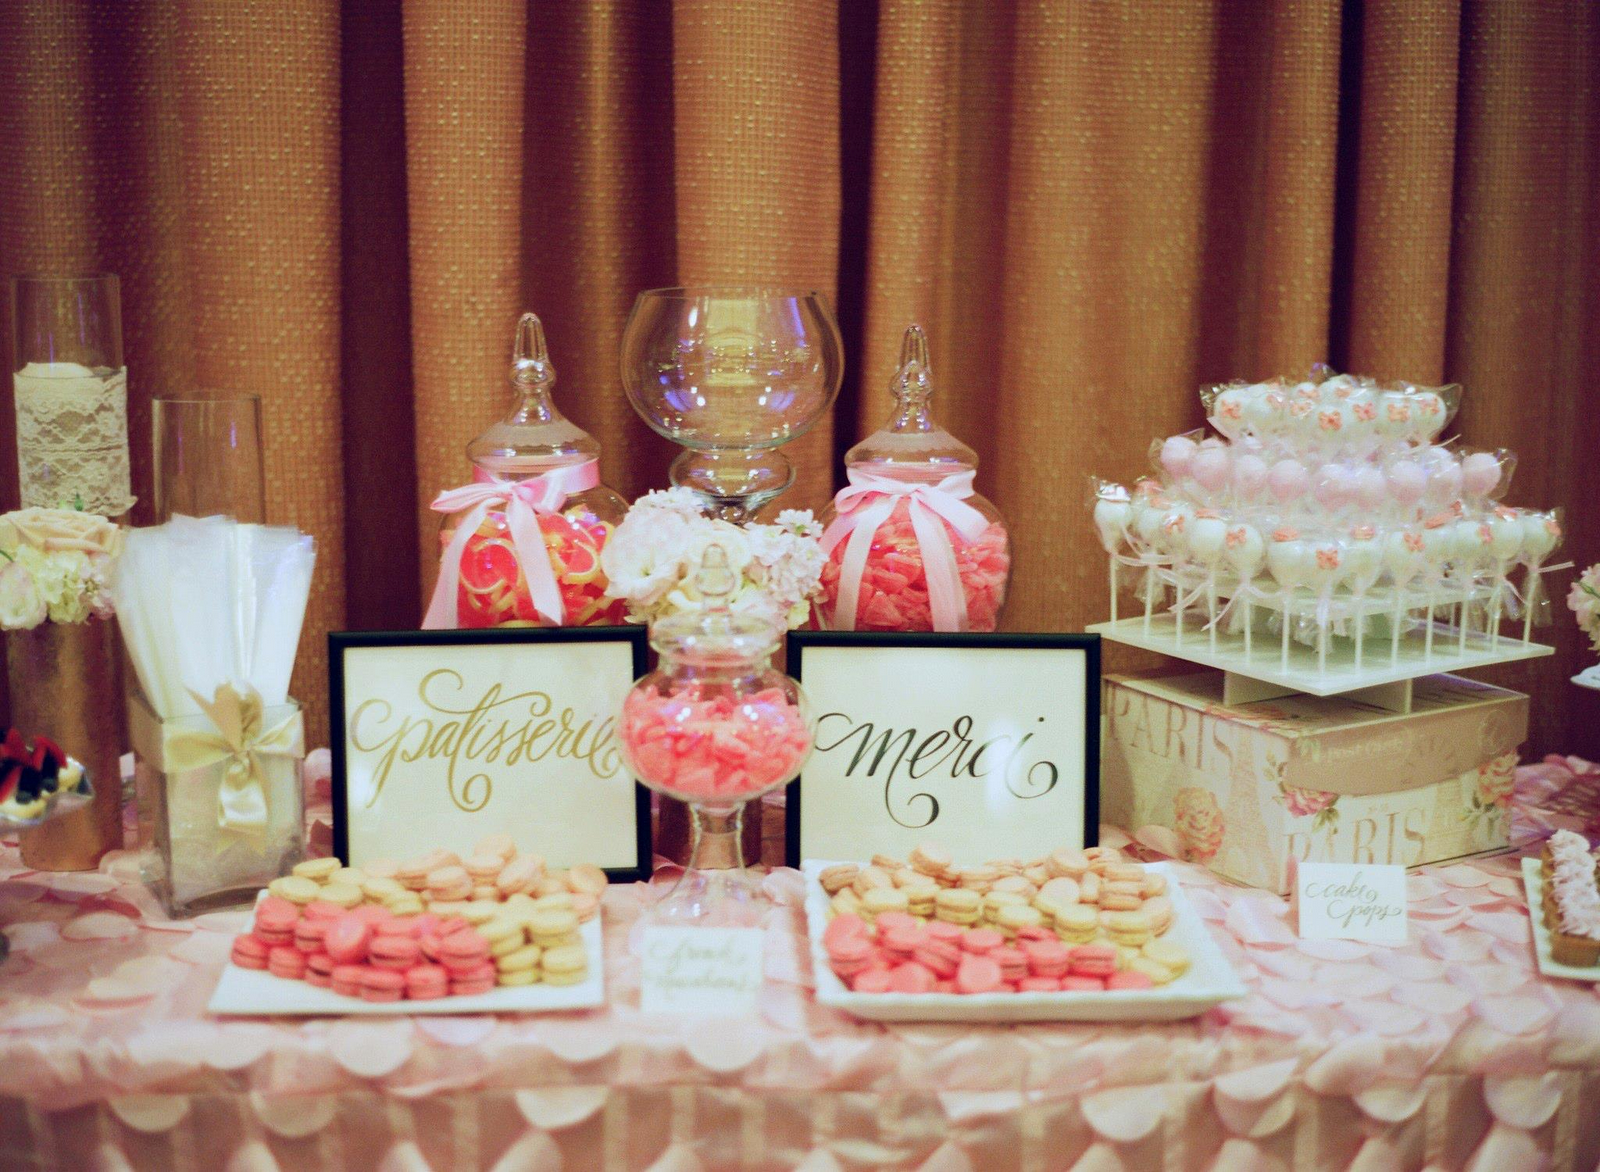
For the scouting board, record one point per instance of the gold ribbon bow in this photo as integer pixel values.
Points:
(240, 740)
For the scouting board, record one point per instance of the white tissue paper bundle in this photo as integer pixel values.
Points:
(205, 603)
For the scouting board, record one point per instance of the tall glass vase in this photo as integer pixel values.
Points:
(65, 681)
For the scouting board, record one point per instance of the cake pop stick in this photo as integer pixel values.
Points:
(1207, 536)
(1174, 542)
(1403, 558)
(1364, 557)
(1470, 541)
(1143, 531)
(1286, 562)
(1325, 569)
(1505, 543)
(1245, 551)
(1436, 546)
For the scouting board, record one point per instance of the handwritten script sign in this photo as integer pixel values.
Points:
(714, 971)
(1352, 901)
(984, 744)
(445, 737)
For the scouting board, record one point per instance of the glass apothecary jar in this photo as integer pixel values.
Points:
(716, 726)
(911, 545)
(520, 546)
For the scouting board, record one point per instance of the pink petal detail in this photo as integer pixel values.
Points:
(1408, 967)
(1461, 875)
(1255, 1083)
(404, 1157)
(371, 1049)
(552, 1108)
(150, 1113)
(1125, 1114)
(255, 1156)
(1241, 1155)
(1505, 1148)
(82, 883)
(27, 1014)
(1349, 1067)
(294, 1116)
(1099, 1157)
(456, 1029)
(534, 1152)
(1431, 997)
(1524, 1102)
(1291, 966)
(724, 1049)
(1513, 1015)
(677, 1158)
(1392, 1101)
(1258, 921)
(1256, 1120)
(1384, 1017)
(99, 926)
(1334, 949)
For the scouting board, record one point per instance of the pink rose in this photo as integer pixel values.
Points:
(1303, 803)
(1199, 822)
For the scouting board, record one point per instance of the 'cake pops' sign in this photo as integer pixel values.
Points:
(986, 744)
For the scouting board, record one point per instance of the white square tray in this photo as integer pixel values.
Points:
(1533, 884)
(256, 993)
(1209, 981)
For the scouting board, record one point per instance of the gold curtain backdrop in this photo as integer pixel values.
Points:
(1093, 208)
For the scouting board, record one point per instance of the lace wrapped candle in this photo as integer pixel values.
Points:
(911, 546)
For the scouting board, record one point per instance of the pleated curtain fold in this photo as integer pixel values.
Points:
(1092, 208)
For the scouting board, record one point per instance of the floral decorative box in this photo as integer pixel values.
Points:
(1244, 789)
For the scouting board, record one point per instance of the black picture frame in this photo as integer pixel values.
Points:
(800, 641)
(339, 642)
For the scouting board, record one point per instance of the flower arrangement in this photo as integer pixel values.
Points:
(650, 560)
(55, 564)
(1584, 602)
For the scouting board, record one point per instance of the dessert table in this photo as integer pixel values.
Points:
(1448, 1053)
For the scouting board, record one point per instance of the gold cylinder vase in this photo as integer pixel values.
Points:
(66, 685)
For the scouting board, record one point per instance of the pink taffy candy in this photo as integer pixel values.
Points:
(1370, 488)
(1249, 476)
(1480, 472)
(1176, 453)
(894, 585)
(1407, 482)
(1210, 468)
(1287, 480)
(717, 747)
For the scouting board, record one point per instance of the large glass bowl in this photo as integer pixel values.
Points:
(732, 373)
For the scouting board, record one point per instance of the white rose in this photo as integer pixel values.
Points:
(21, 607)
(643, 558)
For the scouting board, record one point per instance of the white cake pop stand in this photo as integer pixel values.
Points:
(1383, 680)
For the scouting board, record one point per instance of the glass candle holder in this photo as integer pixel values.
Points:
(71, 392)
(208, 456)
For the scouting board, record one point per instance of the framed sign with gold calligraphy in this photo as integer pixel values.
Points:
(986, 744)
(441, 738)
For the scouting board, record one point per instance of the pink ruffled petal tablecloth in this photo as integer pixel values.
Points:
(1449, 1053)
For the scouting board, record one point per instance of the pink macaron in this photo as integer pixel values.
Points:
(346, 979)
(878, 979)
(942, 957)
(382, 985)
(978, 974)
(394, 952)
(346, 939)
(911, 978)
(463, 951)
(1082, 985)
(285, 960)
(981, 940)
(1129, 979)
(250, 952)
(850, 955)
(1012, 960)
(1039, 985)
(308, 934)
(1093, 960)
(427, 982)
(319, 970)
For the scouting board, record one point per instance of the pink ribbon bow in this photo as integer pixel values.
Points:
(868, 502)
(524, 501)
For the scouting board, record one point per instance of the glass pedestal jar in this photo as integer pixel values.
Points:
(715, 726)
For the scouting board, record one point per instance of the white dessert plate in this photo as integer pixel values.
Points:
(1209, 981)
(257, 993)
(1533, 884)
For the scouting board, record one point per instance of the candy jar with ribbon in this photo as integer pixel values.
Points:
(911, 546)
(716, 726)
(521, 543)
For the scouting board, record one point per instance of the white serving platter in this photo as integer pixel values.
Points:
(257, 993)
(1209, 981)
(1533, 884)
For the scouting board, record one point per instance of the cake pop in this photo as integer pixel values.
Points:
(1287, 480)
(1408, 480)
(1211, 468)
(1370, 489)
(1227, 409)
(1437, 546)
(1333, 486)
(1470, 542)
(1112, 512)
(1249, 478)
(1325, 569)
(1176, 453)
(1505, 543)
(1541, 534)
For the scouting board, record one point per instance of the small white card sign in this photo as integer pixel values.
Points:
(985, 744)
(1352, 901)
(712, 971)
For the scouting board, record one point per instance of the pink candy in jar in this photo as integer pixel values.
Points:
(911, 545)
(705, 744)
